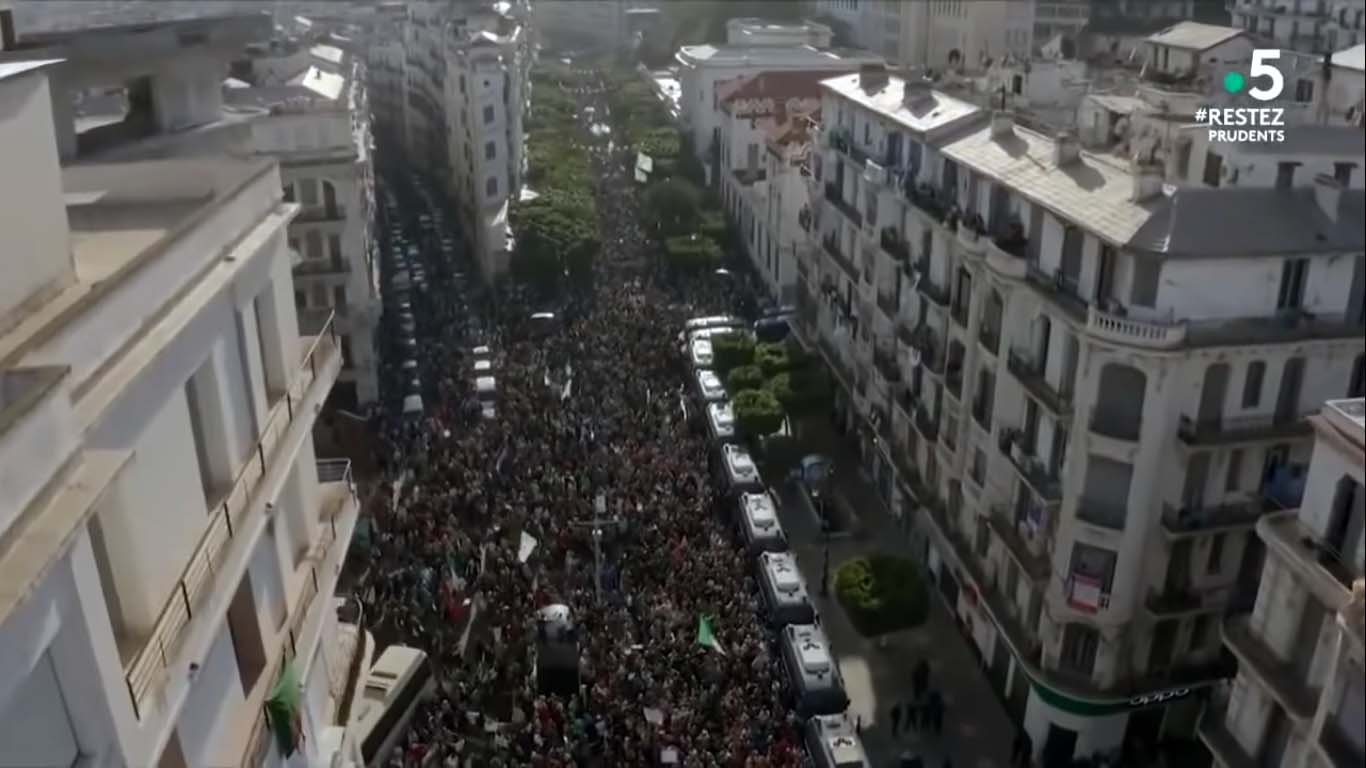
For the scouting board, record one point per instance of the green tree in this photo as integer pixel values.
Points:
(757, 412)
(744, 377)
(674, 205)
(772, 358)
(732, 350)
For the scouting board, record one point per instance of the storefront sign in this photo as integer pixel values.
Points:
(1159, 697)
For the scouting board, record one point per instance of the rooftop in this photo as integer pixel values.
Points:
(1271, 222)
(1194, 36)
(121, 41)
(1092, 189)
(746, 55)
(10, 69)
(1351, 58)
(328, 53)
(1349, 418)
(1122, 105)
(122, 216)
(939, 110)
(779, 86)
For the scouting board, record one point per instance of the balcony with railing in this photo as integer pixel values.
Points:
(888, 304)
(1278, 676)
(884, 360)
(972, 234)
(846, 264)
(1045, 481)
(958, 312)
(926, 424)
(1031, 376)
(895, 245)
(835, 196)
(1008, 254)
(1112, 423)
(321, 213)
(1243, 429)
(923, 342)
(1325, 567)
(1213, 731)
(933, 202)
(1172, 601)
(1134, 333)
(926, 285)
(1035, 565)
(1186, 521)
(328, 265)
(147, 668)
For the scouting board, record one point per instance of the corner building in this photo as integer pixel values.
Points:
(1078, 388)
(169, 542)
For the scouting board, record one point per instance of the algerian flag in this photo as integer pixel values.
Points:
(282, 711)
(705, 636)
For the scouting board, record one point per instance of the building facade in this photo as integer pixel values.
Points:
(1299, 700)
(765, 145)
(1308, 26)
(317, 123)
(1078, 435)
(170, 541)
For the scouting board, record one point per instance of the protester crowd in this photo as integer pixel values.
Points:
(585, 416)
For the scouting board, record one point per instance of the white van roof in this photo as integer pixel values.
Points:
(412, 404)
(485, 384)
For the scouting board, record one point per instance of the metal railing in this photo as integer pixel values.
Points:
(1221, 429)
(331, 265)
(146, 668)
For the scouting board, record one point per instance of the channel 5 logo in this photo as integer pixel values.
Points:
(1235, 82)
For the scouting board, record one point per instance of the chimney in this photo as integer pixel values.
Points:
(916, 91)
(1328, 194)
(1002, 123)
(1066, 149)
(872, 76)
(1147, 180)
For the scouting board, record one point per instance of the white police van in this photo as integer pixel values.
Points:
(738, 472)
(720, 422)
(757, 517)
(832, 741)
(783, 590)
(812, 673)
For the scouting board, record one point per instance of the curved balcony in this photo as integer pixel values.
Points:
(1006, 258)
(972, 237)
(1134, 333)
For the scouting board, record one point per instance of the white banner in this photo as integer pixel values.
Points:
(526, 547)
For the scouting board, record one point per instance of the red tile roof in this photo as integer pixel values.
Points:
(781, 86)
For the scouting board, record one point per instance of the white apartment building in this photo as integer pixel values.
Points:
(1029, 348)
(487, 94)
(465, 94)
(1299, 700)
(1343, 96)
(317, 125)
(704, 70)
(968, 36)
(1309, 26)
(169, 542)
(765, 146)
(1067, 18)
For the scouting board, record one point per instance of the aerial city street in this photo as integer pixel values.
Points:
(696, 383)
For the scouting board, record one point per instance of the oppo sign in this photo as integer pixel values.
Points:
(1158, 698)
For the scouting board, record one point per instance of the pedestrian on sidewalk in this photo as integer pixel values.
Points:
(934, 713)
(1022, 750)
(920, 678)
(825, 574)
(896, 719)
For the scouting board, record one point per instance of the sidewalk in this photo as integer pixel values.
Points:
(977, 731)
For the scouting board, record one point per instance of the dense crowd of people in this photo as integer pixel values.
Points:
(587, 425)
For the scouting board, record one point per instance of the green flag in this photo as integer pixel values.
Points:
(705, 636)
(282, 710)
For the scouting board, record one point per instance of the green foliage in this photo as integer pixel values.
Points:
(557, 231)
(757, 413)
(802, 391)
(692, 253)
(712, 223)
(673, 205)
(744, 377)
(772, 358)
(732, 350)
(660, 143)
(882, 593)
